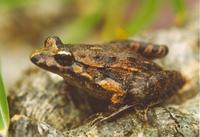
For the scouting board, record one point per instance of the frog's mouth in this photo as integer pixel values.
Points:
(45, 62)
(48, 62)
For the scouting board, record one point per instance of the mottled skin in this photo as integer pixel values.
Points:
(121, 72)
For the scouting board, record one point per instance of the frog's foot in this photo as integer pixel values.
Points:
(97, 118)
(112, 115)
(149, 50)
(142, 112)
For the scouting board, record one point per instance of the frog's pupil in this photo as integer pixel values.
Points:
(64, 60)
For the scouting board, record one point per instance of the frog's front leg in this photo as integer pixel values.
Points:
(147, 50)
(111, 115)
(140, 111)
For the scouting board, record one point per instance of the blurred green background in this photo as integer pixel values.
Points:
(25, 24)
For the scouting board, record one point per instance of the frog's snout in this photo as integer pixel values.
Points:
(38, 55)
(35, 58)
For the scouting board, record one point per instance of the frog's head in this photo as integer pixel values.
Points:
(54, 56)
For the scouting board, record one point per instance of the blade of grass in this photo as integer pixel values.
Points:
(179, 7)
(144, 16)
(4, 111)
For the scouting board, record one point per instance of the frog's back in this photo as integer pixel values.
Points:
(103, 56)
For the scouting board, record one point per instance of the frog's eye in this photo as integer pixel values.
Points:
(64, 58)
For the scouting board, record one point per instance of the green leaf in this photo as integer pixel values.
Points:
(4, 111)
(143, 17)
(179, 7)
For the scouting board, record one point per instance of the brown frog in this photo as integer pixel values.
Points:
(121, 72)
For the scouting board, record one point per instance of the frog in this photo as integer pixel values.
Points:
(120, 72)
